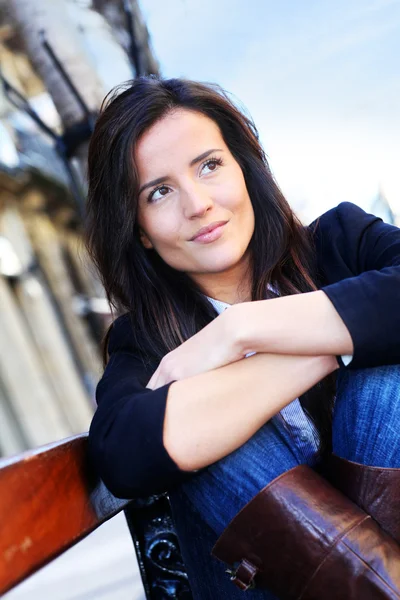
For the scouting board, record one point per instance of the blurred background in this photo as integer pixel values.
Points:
(322, 83)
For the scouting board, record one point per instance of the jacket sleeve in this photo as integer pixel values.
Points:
(126, 434)
(368, 300)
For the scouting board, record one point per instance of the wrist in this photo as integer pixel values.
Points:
(241, 326)
(335, 362)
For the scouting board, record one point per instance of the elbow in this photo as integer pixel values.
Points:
(126, 446)
(131, 466)
(122, 479)
(106, 465)
(121, 469)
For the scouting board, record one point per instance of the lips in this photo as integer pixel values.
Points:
(207, 229)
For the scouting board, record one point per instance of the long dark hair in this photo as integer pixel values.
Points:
(165, 305)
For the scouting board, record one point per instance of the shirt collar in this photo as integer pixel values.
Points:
(220, 306)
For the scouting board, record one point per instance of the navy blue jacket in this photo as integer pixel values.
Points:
(358, 267)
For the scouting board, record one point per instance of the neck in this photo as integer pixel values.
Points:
(231, 286)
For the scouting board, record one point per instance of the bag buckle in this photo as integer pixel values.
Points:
(243, 575)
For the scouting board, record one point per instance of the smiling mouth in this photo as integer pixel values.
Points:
(210, 233)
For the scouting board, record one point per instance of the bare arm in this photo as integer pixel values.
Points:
(211, 414)
(299, 324)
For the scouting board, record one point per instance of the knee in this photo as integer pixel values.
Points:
(357, 383)
(367, 401)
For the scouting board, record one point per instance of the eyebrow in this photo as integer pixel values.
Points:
(192, 162)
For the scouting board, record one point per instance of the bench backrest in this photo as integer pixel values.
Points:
(49, 500)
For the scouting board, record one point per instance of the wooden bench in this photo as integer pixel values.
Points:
(50, 500)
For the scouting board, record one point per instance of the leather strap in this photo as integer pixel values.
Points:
(243, 576)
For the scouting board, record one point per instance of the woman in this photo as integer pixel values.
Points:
(184, 220)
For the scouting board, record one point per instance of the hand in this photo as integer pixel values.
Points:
(212, 347)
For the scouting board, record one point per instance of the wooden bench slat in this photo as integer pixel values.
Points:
(49, 501)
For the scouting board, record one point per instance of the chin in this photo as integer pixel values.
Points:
(222, 262)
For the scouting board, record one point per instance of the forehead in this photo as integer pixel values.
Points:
(178, 137)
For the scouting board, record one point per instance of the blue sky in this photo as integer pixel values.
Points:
(321, 80)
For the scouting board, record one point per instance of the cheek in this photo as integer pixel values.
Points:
(162, 228)
(240, 203)
(234, 194)
(245, 212)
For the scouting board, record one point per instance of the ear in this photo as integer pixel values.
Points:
(145, 240)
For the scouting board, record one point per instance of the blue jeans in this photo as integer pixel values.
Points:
(366, 429)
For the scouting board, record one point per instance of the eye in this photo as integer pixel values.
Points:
(162, 189)
(212, 164)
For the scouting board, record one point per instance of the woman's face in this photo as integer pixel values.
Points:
(188, 181)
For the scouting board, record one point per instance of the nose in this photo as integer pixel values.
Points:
(196, 200)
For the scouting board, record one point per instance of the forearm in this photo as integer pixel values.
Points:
(300, 324)
(210, 415)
